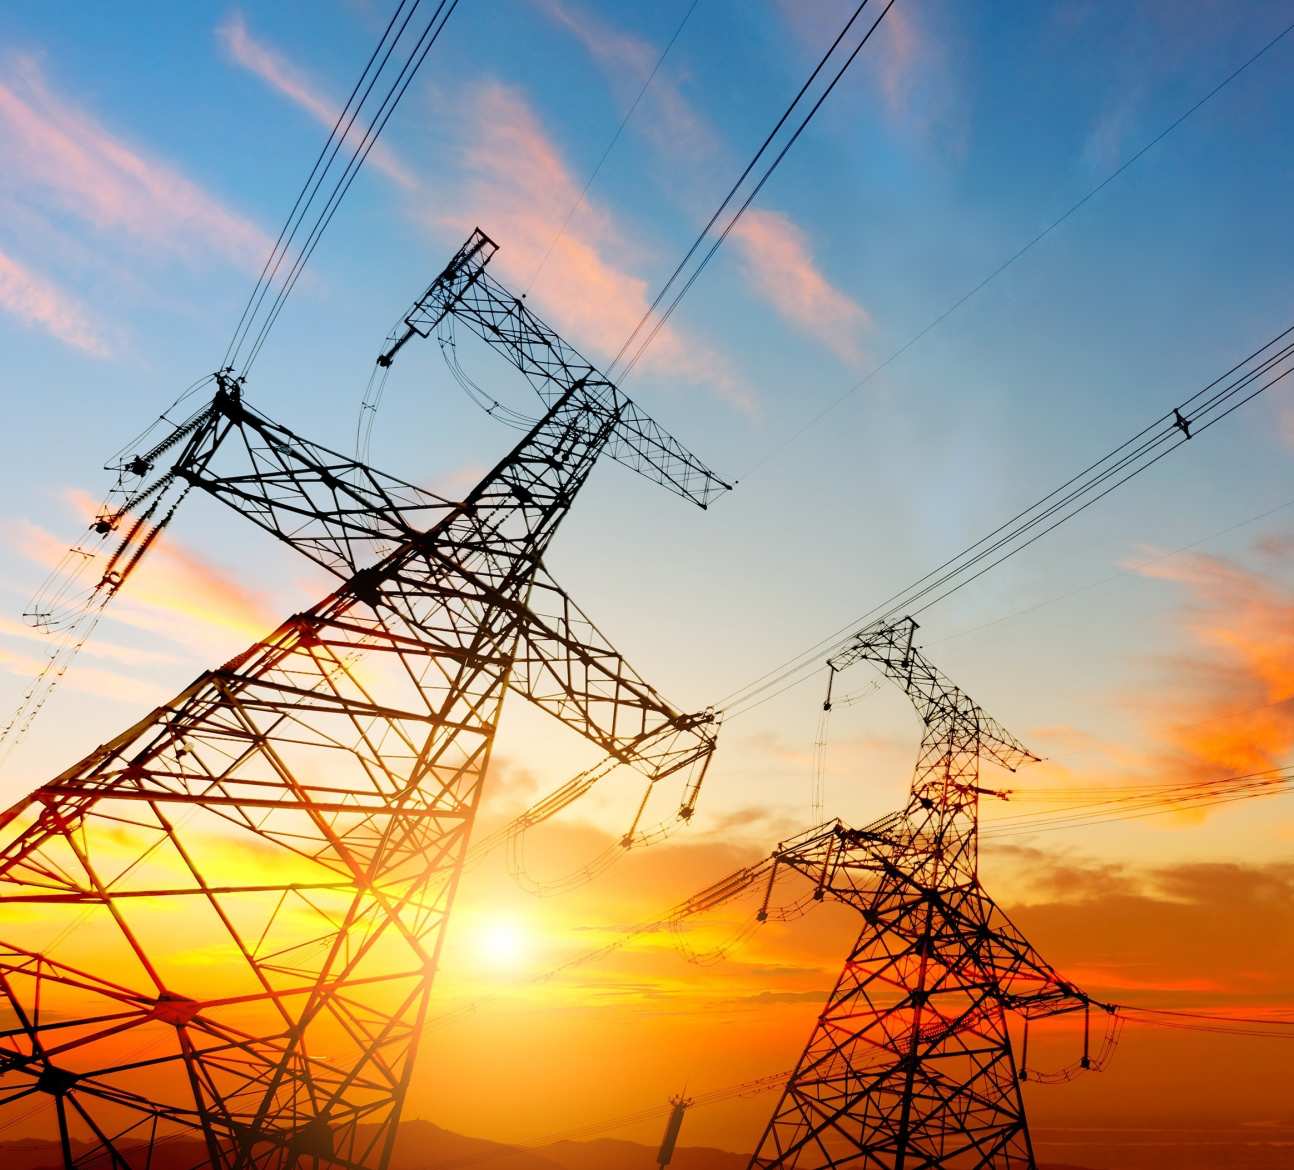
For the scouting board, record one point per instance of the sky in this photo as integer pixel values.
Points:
(153, 151)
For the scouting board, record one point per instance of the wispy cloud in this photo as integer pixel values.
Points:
(779, 261)
(37, 302)
(776, 250)
(94, 647)
(60, 158)
(904, 63)
(91, 680)
(296, 85)
(175, 592)
(671, 120)
(1231, 707)
(520, 188)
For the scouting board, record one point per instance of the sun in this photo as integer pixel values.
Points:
(503, 944)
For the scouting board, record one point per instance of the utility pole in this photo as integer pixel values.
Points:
(910, 1066)
(222, 925)
(673, 1124)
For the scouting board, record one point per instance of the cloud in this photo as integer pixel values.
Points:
(175, 591)
(903, 62)
(520, 190)
(60, 158)
(1286, 424)
(94, 647)
(91, 680)
(1231, 705)
(35, 301)
(1216, 934)
(778, 260)
(293, 83)
(627, 61)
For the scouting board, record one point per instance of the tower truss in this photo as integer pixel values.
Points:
(222, 925)
(910, 1066)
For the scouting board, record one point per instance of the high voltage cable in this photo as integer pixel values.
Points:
(1100, 806)
(629, 113)
(256, 317)
(733, 191)
(1266, 366)
(419, 54)
(1115, 576)
(292, 221)
(974, 291)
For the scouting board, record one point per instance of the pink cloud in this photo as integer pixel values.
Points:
(778, 260)
(95, 647)
(282, 75)
(520, 190)
(92, 680)
(59, 155)
(903, 61)
(175, 591)
(34, 301)
(777, 256)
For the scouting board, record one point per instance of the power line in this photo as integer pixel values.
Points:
(257, 320)
(275, 257)
(620, 358)
(974, 291)
(1265, 367)
(615, 138)
(1115, 576)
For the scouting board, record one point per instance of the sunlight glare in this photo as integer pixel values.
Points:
(502, 944)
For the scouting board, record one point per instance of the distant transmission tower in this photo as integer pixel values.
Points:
(911, 1066)
(221, 927)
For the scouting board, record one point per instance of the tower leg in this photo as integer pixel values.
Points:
(910, 1066)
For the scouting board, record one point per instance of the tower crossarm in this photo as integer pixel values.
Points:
(567, 667)
(1026, 982)
(941, 704)
(341, 513)
(468, 294)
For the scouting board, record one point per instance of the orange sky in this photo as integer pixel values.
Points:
(1194, 910)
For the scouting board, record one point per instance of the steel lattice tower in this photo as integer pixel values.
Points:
(306, 807)
(910, 1066)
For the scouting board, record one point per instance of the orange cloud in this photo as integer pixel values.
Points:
(171, 582)
(520, 190)
(64, 158)
(35, 301)
(778, 259)
(1232, 708)
(282, 75)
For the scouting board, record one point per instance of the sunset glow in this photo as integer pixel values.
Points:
(606, 684)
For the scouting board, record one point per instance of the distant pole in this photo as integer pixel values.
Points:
(672, 1126)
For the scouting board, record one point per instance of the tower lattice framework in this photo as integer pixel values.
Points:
(221, 927)
(910, 1066)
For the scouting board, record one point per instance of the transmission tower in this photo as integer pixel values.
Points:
(910, 1066)
(221, 927)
